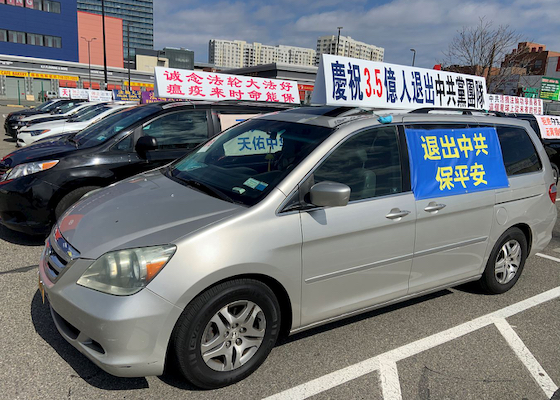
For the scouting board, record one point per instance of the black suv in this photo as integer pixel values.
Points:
(39, 182)
(11, 122)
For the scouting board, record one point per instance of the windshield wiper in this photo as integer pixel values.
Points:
(208, 189)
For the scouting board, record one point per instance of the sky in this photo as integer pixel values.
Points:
(428, 26)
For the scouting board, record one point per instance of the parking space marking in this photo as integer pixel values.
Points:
(384, 361)
(526, 357)
(389, 377)
(548, 257)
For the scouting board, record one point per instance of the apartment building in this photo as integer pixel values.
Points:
(348, 47)
(240, 54)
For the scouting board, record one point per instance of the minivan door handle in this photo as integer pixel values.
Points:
(397, 213)
(433, 207)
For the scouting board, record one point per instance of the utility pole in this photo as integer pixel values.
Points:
(104, 43)
(89, 58)
(338, 40)
(128, 51)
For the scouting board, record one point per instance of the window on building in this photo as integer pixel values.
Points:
(3, 35)
(35, 39)
(16, 37)
(53, 41)
(38, 4)
(51, 6)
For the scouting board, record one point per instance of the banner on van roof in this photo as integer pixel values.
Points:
(198, 85)
(549, 126)
(447, 162)
(347, 81)
(514, 104)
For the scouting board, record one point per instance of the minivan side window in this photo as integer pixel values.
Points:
(369, 163)
(518, 151)
(183, 129)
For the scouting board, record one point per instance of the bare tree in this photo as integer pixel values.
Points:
(480, 50)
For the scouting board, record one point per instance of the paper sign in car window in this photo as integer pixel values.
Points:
(446, 162)
(253, 143)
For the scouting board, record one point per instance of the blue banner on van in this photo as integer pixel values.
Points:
(446, 162)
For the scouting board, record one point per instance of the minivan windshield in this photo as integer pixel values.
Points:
(247, 161)
(108, 127)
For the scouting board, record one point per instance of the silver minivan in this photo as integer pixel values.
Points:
(289, 221)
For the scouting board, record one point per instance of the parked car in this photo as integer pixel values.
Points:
(286, 222)
(40, 181)
(78, 121)
(60, 113)
(45, 95)
(11, 121)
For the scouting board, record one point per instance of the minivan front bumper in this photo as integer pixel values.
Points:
(126, 336)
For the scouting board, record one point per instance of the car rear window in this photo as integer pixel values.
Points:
(518, 151)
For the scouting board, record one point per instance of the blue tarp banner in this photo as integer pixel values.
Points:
(446, 162)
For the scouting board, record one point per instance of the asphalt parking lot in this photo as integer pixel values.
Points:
(453, 344)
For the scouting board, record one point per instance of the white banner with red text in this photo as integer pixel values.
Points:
(515, 104)
(199, 85)
(549, 126)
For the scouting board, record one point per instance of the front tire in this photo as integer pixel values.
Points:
(71, 198)
(505, 263)
(226, 333)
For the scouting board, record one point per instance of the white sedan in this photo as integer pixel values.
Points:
(36, 132)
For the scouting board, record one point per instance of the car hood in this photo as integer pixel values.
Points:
(146, 210)
(41, 151)
(44, 125)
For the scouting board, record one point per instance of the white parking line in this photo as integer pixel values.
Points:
(389, 377)
(383, 362)
(523, 353)
(548, 257)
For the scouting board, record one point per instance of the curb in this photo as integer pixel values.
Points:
(15, 105)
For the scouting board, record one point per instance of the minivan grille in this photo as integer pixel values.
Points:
(59, 255)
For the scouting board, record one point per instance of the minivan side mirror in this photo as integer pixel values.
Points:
(329, 194)
(145, 144)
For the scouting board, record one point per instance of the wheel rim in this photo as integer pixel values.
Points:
(233, 336)
(508, 261)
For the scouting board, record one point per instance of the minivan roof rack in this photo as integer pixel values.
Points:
(426, 110)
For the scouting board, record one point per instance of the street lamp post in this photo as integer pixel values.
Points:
(413, 56)
(89, 58)
(128, 51)
(338, 39)
(104, 43)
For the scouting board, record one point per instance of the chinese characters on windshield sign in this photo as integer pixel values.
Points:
(447, 162)
(187, 84)
(354, 82)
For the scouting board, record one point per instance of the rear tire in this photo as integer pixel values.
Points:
(505, 263)
(226, 333)
(71, 198)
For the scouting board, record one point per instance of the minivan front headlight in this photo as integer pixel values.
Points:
(125, 272)
(28, 169)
